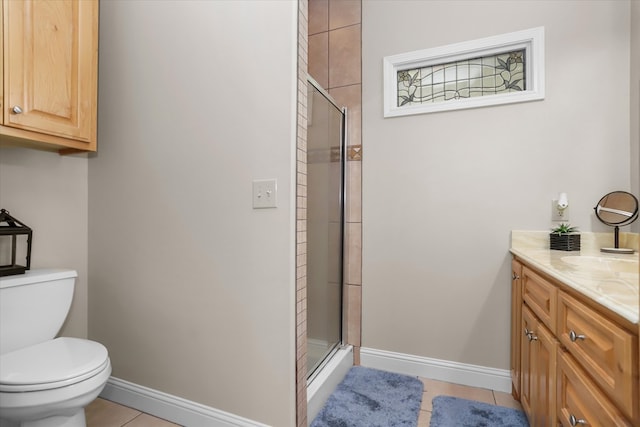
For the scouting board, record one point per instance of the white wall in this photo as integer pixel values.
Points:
(442, 191)
(191, 290)
(48, 192)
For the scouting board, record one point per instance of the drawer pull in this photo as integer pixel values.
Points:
(575, 421)
(515, 276)
(574, 337)
(16, 109)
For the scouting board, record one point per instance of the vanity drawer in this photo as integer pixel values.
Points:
(579, 398)
(606, 351)
(541, 296)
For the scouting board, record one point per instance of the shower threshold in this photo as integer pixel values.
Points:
(326, 378)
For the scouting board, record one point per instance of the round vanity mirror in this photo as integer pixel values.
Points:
(616, 209)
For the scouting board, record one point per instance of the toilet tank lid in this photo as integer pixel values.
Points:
(37, 276)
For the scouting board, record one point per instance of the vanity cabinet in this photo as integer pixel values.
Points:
(50, 73)
(578, 361)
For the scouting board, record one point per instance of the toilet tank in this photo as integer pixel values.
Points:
(33, 306)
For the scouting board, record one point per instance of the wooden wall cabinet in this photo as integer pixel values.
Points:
(573, 362)
(49, 73)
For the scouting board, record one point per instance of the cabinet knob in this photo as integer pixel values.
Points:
(574, 337)
(16, 109)
(575, 421)
(530, 335)
(515, 276)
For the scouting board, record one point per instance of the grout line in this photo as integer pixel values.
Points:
(131, 420)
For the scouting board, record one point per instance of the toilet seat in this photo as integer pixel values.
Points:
(51, 364)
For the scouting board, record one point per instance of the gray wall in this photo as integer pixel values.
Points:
(48, 192)
(442, 191)
(635, 102)
(191, 290)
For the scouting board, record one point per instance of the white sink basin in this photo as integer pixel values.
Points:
(596, 263)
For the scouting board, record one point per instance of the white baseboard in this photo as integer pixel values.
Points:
(171, 408)
(442, 370)
(188, 413)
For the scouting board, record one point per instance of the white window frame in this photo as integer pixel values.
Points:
(531, 40)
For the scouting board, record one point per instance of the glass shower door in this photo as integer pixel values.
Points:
(325, 200)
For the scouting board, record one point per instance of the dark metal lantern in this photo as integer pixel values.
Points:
(12, 228)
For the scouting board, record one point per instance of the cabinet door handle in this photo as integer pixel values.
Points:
(574, 337)
(530, 335)
(16, 109)
(514, 276)
(575, 421)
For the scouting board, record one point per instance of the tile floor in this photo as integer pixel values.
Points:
(103, 413)
(433, 388)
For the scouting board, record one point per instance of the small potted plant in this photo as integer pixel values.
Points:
(564, 238)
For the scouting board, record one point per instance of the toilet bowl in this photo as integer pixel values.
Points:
(45, 382)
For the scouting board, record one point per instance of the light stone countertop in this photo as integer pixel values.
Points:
(616, 289)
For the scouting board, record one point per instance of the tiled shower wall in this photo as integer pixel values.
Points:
(301, 219)
(334, 58)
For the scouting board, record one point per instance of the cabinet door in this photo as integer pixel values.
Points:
(545, 376)
(538, 357)
(527, 357)
(516, 316)
(51, 54)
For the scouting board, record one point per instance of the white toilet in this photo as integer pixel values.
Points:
(45, 381)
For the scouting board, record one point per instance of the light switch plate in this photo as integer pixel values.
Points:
(265, 193)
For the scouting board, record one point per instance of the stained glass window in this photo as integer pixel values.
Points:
(482, 76)
(502, 69)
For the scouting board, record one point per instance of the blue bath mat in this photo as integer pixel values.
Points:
(452, 411)
(372, 398)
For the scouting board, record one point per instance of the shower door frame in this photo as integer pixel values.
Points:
(311, 373)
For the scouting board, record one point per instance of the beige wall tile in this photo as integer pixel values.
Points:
(344, 56)
(319, 58)
(353, 296)
(356, 356)
(354, 192)
(318, 16)
(353, 253)
(344, 12)
(351, 97)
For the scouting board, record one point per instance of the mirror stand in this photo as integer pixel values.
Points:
(616, 244)
(615, 209)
